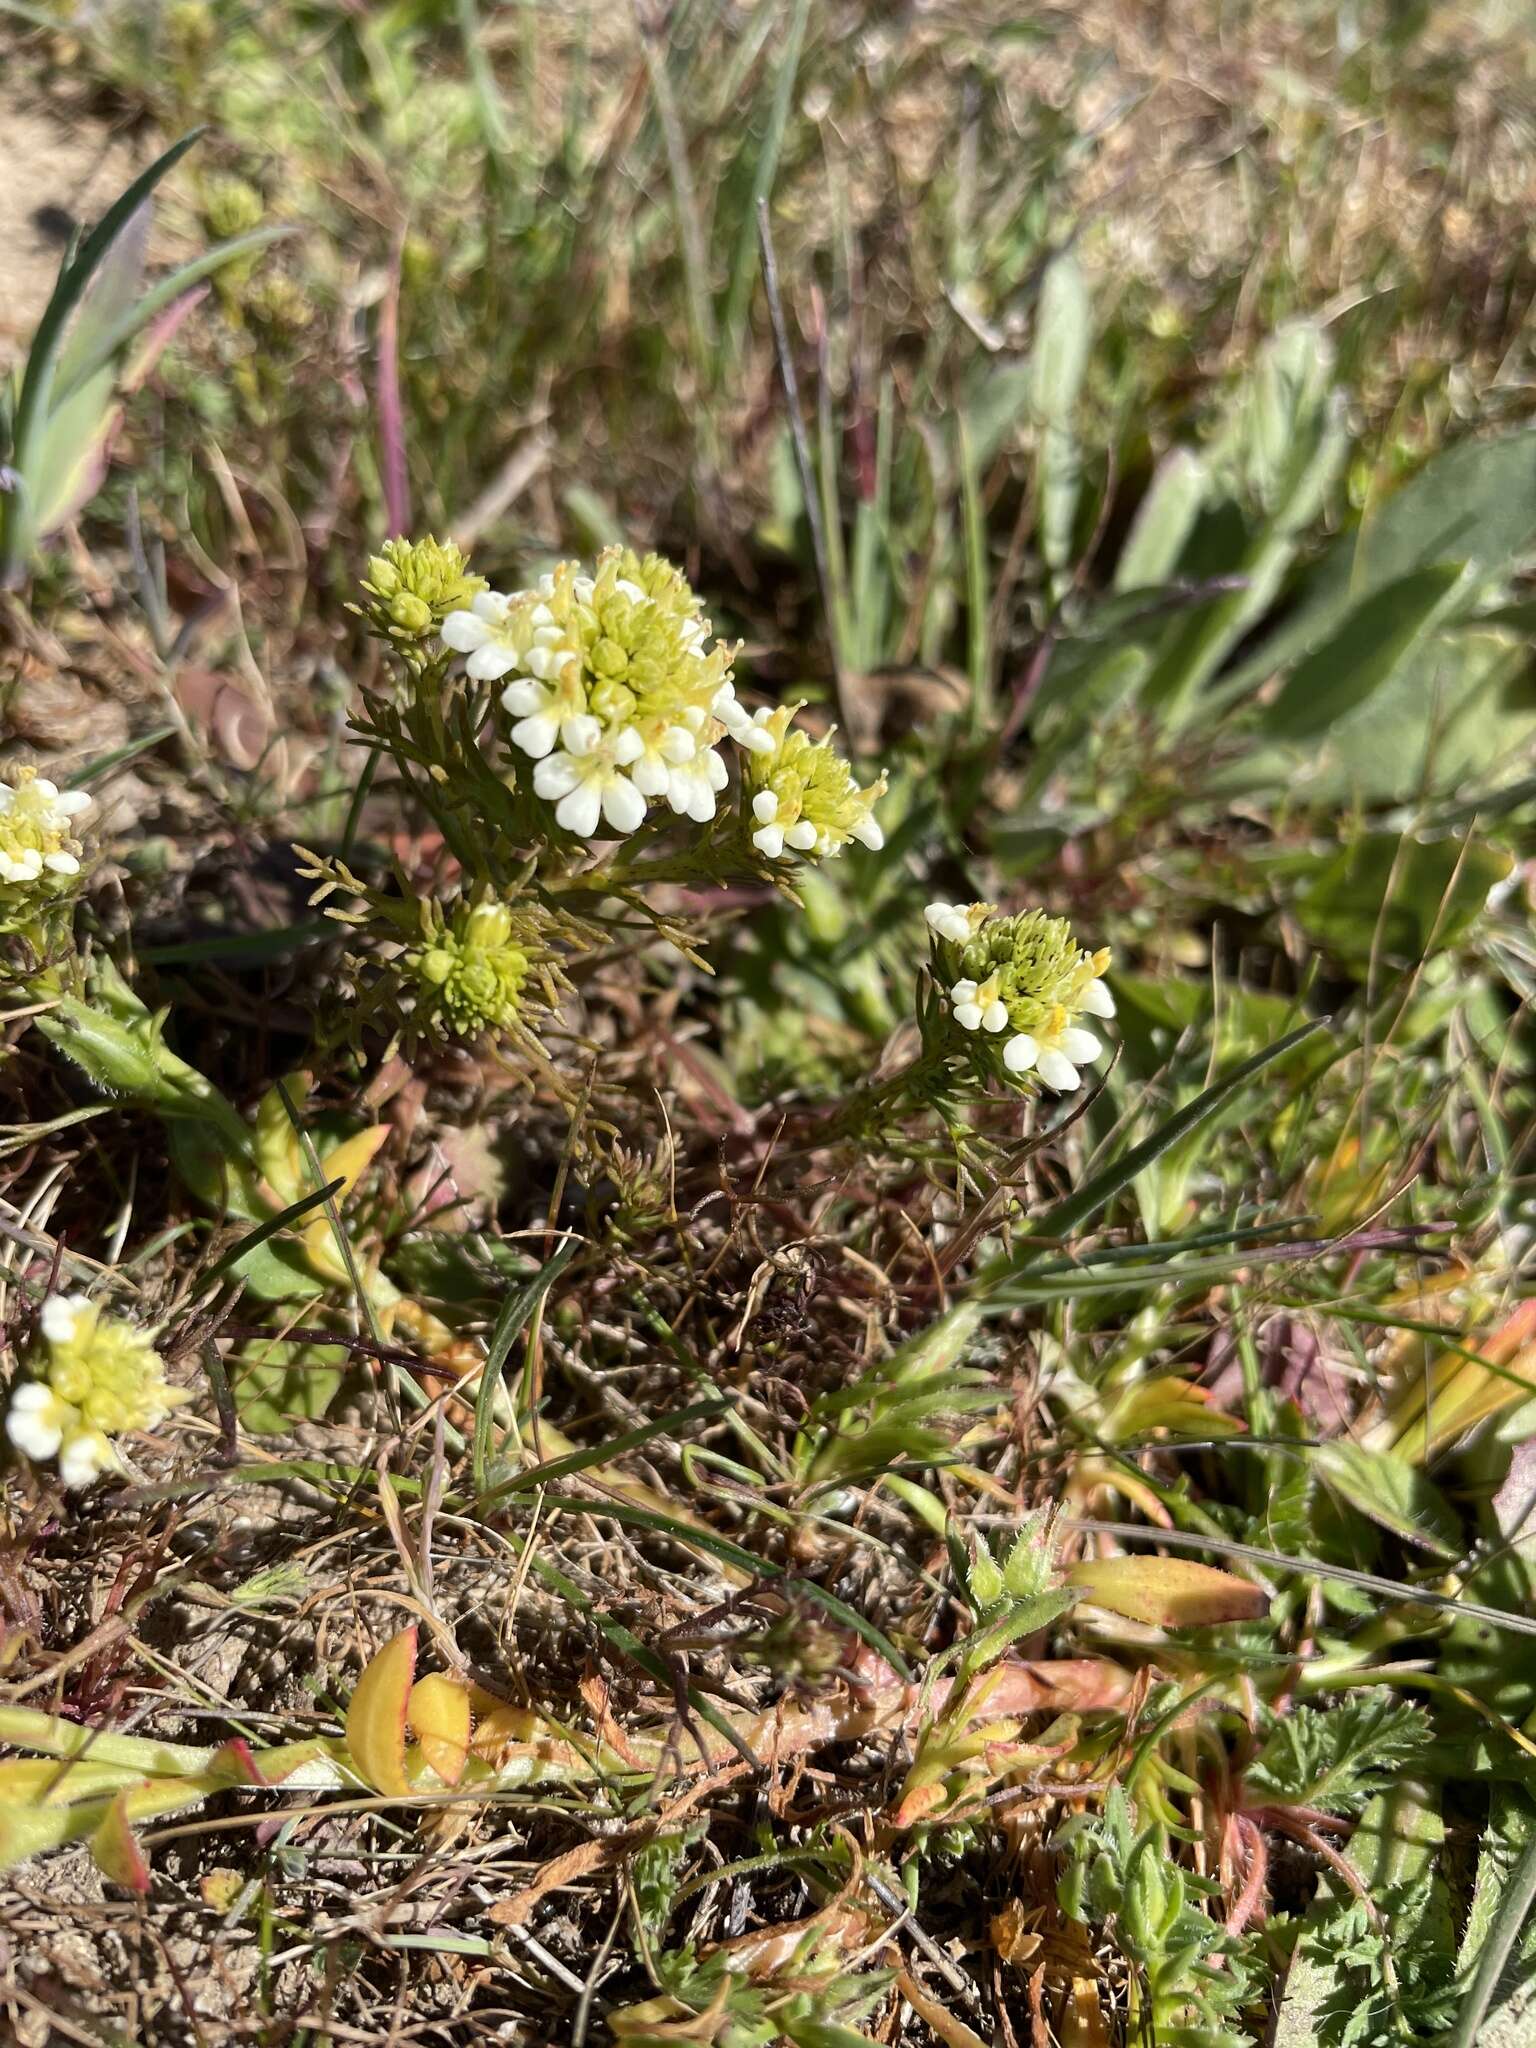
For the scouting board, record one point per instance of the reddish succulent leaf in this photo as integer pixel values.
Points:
(233, 1760)
(376, 1717)
(1168, 1592)
(116, 1850)
(438, 1715)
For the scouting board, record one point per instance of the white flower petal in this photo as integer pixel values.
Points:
(537, 735)
(62, 863)
(557, 776)
(581, 734)
(60, 1315)
(765, 807)
(627, 746)
(714, 770)
(73, 801)
(968, 1016)
(1058, 1072)
(464, 632)
(523, 697)
(700, 800)
(964, 992)
(677, 745)
(490, 605)
(32, 1429)
(802, 835)
(769, 840)
(1079, 1046)
(868, 833)
(1020, 1053)
(652, 775)
(623, 805)
(581, 810)
(1097, 1000)
(995, 1016)
(83, 1458)
(489, 662)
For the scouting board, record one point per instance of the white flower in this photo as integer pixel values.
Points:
(949, 921)
(772, 835)
(82, 1458)
(35, 822)
(747, 729)
(664, 749)
(1057, 1063)
(588, 780)
(483, 633)
(694, 785)
(36, 1421)
(1097, 1001)
(59, 1317)
(979, 1005)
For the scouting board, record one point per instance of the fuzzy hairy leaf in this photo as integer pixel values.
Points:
(1336, 1758)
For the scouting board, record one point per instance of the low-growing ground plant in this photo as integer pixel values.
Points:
(762, 1266)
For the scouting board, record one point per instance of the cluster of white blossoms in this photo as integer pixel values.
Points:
(616, 693)
(36, 845)
(618, 697)
(96, 1377)
(1026, 976)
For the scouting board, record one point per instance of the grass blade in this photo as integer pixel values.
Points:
(155, 301)
(515, 1312)
(1084, 1203)
(32, 407)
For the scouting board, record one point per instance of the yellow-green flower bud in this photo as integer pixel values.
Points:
(412, 586)
(470, 975)
(231, 207)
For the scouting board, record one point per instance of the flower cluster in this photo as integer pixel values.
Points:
(470, 973)
(802, 792)
(615, 692)
(39, 857)
(97, 1377)
(1026, 976)
(414, 587)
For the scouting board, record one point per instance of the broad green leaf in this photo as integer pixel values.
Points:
(276, 1382)
(1391, 1492)
(1390, 894)
(1366, 650)
(1473, 503)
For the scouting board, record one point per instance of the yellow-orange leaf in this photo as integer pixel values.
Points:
(438, 1714)
(347, 1161)
(1168, 1592)
(376, 1717)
